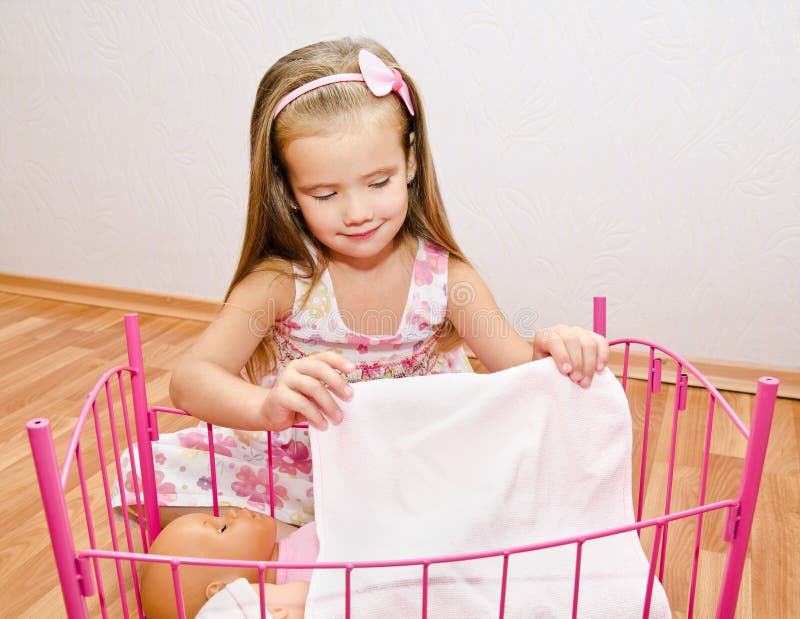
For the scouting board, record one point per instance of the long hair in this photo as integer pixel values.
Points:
(276, 236)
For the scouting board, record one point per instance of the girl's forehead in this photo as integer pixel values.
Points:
(367, 121)
(345, 150)
(373, 117)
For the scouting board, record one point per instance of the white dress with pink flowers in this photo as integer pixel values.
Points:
(181, 458)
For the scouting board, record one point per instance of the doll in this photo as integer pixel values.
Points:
(240, 534)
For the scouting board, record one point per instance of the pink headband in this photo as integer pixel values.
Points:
(380, 79)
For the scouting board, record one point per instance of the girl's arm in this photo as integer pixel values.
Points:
(207, 383)
(578, 353)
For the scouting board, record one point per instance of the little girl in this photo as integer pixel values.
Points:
(348, 272)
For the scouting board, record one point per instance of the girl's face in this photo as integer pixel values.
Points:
(351, 188)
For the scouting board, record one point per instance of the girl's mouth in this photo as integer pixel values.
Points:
(363, 235)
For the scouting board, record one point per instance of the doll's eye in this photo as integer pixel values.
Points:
(222, 530)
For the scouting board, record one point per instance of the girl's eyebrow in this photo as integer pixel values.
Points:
(385, 170)
(315, 186)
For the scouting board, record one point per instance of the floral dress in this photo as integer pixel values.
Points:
(181, 458)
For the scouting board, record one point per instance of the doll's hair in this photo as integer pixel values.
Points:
(276, 235)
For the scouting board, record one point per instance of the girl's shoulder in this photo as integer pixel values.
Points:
(269, 286)
(463, 282)
(278, 267)
(458, 267)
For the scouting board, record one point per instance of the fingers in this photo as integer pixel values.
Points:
(554, 345)
(328, 367)
(316, 416)
(309, 383)
(602, 353)
(589, 359)
(316, 391)
(578, 353)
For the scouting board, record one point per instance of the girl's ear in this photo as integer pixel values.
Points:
(411, 160)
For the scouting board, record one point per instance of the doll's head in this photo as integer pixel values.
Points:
(239, 534)
(276, 225)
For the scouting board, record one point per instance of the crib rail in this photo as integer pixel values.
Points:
(114, 542)
(104, 428)
(740, 515)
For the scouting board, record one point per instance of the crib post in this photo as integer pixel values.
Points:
(143, 430)
(55, 511)
(766, 393)
(599, 322)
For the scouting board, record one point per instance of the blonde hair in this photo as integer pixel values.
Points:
(275, 234)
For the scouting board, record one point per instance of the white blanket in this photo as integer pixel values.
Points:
(236, 601)
(458, 463)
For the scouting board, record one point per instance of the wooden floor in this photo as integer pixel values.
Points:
(51, 354)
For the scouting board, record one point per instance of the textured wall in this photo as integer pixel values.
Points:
(649, 151)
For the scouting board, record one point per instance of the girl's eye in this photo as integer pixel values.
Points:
(382, 183)
(325, 197)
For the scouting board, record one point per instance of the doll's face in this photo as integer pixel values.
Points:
(238, 534)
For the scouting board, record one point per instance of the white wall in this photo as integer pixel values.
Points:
(649, 151)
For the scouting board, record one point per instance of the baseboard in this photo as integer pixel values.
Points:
(108, 296)
(722, 374)
(726, 375)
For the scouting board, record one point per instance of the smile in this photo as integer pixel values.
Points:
(363, 235)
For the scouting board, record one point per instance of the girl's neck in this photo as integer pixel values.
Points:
(374, 265)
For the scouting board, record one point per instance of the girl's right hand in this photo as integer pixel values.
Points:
(304, 390)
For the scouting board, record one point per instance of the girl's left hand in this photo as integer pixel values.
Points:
(578, 353)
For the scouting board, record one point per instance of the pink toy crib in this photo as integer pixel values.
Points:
(676, 519)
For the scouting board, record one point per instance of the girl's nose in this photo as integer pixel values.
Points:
(357, 211)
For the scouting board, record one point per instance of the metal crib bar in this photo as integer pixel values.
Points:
(687, 365)
(503, 586)
(625, 362)
(424, 589)
(655, 373)
(576, 585)
(763, 409)
(170, 410)
(599, 321)
(262, 600)
(648, 594)
(701, 501)
(645, 435)
(347, 592)
(146, 425)
(87, 513)
(271, 471)
(676, 408)
(112, 527)
(212, 464)
(270, 476)
(134, 467)
(55, 509)
(178, 589)
(126, 521)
